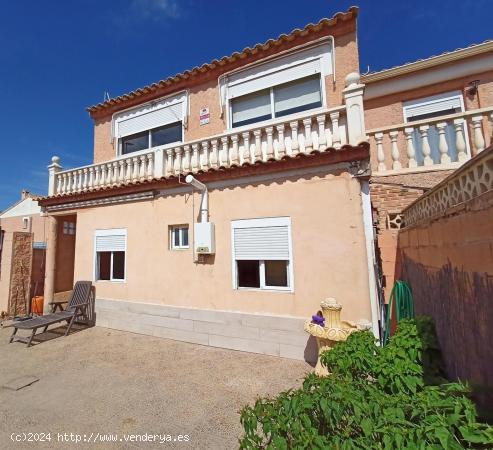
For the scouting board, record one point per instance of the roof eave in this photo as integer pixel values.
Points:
(428, 63)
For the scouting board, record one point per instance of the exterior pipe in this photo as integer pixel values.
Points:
(204, 204)
(370, 254)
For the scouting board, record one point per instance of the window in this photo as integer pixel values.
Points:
(135, 142)
(431, 107)
(152, 124)
(68, 227)
(166, 134)
(179, 237)
(110, 255)
(25, 223)
(278, 101)
(262, 254)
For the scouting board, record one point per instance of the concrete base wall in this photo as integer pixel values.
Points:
(267, 334)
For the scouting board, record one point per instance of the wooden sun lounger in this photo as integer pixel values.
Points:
(77, 307)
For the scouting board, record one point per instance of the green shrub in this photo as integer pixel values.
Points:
(375, 398)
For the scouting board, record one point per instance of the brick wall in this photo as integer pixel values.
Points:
(389, 196)
(20, 276)
(388, 201)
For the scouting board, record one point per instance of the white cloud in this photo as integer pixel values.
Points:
(156, 9)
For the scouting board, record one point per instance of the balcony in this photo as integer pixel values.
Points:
(444, 142)
(275, 140)
(302, 134)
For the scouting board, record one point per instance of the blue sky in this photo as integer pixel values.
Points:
(58, 57)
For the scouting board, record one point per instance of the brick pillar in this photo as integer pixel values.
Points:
(50, 269)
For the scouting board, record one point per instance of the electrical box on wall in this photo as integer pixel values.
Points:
(204, 237)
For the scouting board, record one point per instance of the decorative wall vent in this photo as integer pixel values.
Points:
(395, 221)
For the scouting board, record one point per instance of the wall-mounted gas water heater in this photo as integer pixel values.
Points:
(203, 232)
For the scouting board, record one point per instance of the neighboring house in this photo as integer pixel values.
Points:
(424, 119)
(273, 131)
(22, 251)
(277, 135)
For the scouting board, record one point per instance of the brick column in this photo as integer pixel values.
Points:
(50, 270)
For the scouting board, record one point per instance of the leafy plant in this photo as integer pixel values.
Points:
(374, 398)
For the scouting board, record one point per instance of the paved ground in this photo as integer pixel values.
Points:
(111, 382)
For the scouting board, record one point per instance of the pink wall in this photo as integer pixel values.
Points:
(328, 247)
(449, 265)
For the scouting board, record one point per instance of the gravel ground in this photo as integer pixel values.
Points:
(116, 383)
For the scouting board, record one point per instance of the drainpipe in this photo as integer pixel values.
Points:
(204, 203)
(370, 255)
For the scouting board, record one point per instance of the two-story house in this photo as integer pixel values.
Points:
(227, 201)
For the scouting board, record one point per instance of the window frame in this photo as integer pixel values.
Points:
(149, 142)
(26, 222)
(308, 59)
(109, 232)
(172, 229)
(256, 223)
(69, 228)
(430, 99)
(273, 117)
(143, 108)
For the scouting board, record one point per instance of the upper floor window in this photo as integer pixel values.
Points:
(278, 87)
(430, 108)
(166, 134)
(277, 101)
(154, 124)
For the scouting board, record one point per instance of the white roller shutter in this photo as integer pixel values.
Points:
(107, 242)
(150, 119)
(261, 243)
(151, 115)
(281, 70)
(251, 106)
(297, 94)
(273, 79)
(432, 105)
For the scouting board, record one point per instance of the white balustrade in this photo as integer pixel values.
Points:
(308, 134)
(439, 142)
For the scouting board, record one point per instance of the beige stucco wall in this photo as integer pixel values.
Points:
(329, 255)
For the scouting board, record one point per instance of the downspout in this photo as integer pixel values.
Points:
(204, 203)
(333, 57)
(370, 255)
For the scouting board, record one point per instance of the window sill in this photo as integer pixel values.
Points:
(178, 249)
(111, 281)
(281, 290)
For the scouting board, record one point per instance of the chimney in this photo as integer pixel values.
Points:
(24, 194)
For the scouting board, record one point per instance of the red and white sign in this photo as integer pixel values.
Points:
(204, 116)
